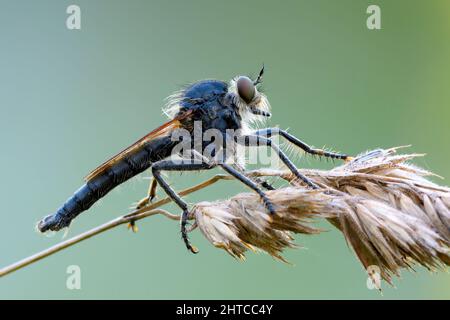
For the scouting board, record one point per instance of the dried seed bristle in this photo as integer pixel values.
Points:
(389, 213)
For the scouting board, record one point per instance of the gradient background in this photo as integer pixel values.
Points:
(70, 99)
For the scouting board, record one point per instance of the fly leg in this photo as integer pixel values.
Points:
(248, 182)
(263, 183)
(150, 194)
(256, 141)
(268, 132)
(169, 165)
(143, 202)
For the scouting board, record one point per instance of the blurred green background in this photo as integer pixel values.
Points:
(70, 99)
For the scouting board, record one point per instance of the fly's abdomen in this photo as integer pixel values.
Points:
(99, 186)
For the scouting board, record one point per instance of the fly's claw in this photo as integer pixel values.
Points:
(144, 202)
(132, 226)
(194, 249)
(269, 206)
(267, 185)
(184, 235)
(151, 195)
(349, 159)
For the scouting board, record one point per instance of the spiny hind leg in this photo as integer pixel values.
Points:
(251, 184)
(255, 140)
(143, 202)
(262, 182)
(169, 165)
(151, 193)
(269, 132)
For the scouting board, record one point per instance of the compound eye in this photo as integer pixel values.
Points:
(245, 88)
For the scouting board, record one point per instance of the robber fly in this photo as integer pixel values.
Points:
(217, 105)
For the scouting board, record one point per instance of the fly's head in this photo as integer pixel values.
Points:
(253, 105)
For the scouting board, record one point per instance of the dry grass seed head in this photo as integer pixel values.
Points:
(389, 213)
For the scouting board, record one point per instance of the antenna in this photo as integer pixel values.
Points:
(259, 79)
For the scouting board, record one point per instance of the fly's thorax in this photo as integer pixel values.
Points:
(195, 96)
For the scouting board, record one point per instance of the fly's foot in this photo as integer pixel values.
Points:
(306, 180)
(144, 202)
(311, 184)
(184, 235)
(327, 154)
(267, 185)
(132, 226)
(348, 159)
(269, 206)
(151, 195)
